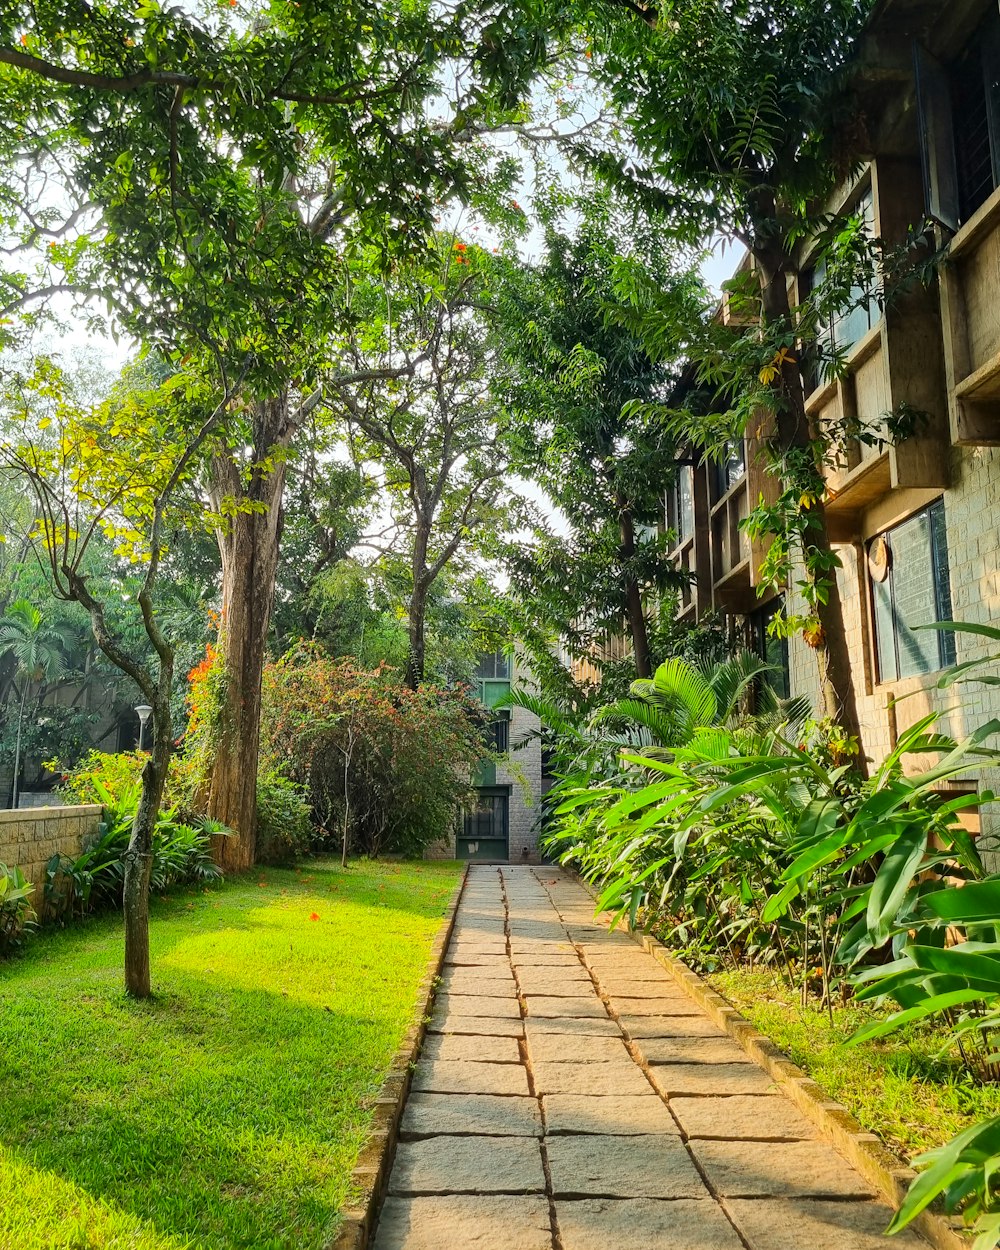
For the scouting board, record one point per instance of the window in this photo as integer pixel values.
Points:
(772, 650)
(729, 470)
(488, 819)
(959, 114)
(494, 667)
(975, 121)
(680, 504)
(908, 574)
(861, 312)
(498, 733)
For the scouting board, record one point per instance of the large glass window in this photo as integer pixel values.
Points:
(908, 574)
(975, 108)
(680, 504)
(861, 311)
(729, 469)
(493, 667)
(772, 650)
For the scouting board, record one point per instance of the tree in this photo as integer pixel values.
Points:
(573, 383)
(735, 109)
(120, 469)
(433, 430)
(206, 174)
(38, 650)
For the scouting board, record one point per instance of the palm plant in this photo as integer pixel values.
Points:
(682, 698)
(38, 649)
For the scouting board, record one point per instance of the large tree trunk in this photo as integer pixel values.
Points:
(249, 546)
(138, 857)
(633, 594)
(793, 433)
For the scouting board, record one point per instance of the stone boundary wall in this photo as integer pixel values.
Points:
(29, 837)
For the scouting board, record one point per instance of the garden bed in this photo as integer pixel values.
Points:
(229, 1110)
(900, 1088)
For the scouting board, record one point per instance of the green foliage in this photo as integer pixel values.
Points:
(181, 853)
(112, 779)
(394, 763)
(569, 375)
(284, 819)
(16, 913)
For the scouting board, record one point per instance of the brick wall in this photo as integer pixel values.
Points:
(30, 837)
(972, 509)
(524, 776)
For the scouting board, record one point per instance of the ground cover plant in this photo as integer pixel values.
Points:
(227, 1110)
(900, 1087)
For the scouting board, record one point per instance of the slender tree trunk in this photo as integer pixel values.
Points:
(249, 547)
(138, 856)
(832, 652)
(15, 787)
(417, 655)
(633, 594)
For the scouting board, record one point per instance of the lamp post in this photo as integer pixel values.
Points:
(144, 712)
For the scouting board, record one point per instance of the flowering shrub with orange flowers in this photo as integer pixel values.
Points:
(397, 762)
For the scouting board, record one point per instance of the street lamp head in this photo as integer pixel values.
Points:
(144, 712)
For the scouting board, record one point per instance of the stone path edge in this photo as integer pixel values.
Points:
(866, 1151)
(370, 1175)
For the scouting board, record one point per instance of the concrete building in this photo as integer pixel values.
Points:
(503, 827)
(916, 524)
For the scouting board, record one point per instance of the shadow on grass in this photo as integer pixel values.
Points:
(229, 1110)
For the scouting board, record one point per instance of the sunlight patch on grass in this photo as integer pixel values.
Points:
(229, 1110)
(898, 1087)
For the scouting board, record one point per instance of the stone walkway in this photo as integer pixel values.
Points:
(572, 1097)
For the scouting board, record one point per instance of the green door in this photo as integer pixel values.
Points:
(485, 827)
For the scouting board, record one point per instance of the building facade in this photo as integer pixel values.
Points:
(916, 521)
(504, 825)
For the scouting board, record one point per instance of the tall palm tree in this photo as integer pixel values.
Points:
(38, 650)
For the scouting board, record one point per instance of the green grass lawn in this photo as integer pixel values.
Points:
(230, 1109)
(898, 1087)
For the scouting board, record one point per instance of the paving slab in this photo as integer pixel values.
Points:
(467, 1047)
(555, 1048)
(804, 1169)
(484, 1115)
(791, 1224)
(644, 1224)
(554, 982)
(561, 1008)
(446, 1076)
(483, 960)
(488, 1026)
(545, 959)
(655, 1005)
(766, 1117)
(719, 1049)
(460, 1221)
(649, 1166)
(711, 1078)
(619, 1115)
(468, 1165)
(491, 987)
(670, 1026)
(574, 1026)
(619, 1077)
(639, 976)
(479, 1005)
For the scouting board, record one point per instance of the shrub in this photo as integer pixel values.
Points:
(395, 763)
(16, 914)
(284, 819)
(112, 779)
(94, 879)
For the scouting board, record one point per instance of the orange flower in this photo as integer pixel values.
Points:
(314, 916)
